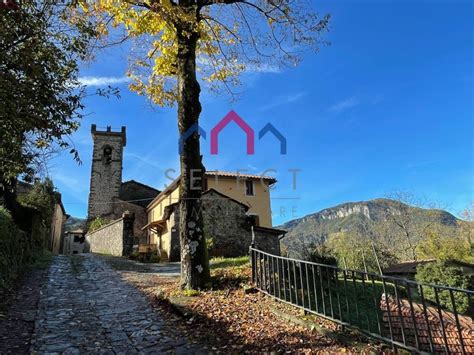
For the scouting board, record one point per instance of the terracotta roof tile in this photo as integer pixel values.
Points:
(408, 267)
(271, 179)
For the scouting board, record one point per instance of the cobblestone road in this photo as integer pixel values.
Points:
(86, 307)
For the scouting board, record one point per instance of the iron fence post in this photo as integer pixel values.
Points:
(302, 284)
(425, 313)
(458, 325)
(446, 346)
(307, 284)
(413, 317)
(389, 316)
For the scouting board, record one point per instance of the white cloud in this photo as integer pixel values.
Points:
(250, 68)
(344, 105)
(262, 68)
(283, 100)
(103, 80)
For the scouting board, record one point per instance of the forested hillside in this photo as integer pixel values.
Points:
(395, 230)
(73, 223)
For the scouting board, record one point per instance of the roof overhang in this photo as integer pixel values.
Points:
(216, 174)
(155, 224)
(274, 231)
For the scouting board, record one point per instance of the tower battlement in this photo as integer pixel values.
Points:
(108, 132)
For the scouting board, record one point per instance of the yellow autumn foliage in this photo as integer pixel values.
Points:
(153, 72)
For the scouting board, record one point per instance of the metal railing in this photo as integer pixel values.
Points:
(408, 314)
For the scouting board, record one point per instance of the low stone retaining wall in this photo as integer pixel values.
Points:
(115, 238)
(434, 324)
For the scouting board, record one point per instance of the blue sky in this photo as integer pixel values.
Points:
(387, 106)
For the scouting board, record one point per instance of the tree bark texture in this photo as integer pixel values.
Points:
(194, 258)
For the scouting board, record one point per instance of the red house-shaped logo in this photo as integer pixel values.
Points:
(232, 116)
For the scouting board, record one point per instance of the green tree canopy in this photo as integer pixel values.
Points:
(39, 90)
(42, 198)
(445, 243)
(439, 273)
(352, 250)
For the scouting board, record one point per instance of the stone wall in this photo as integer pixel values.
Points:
(174, 254)
(121, 207)
(227, 227)
(424, 326)
(115, 238)
(267, 240)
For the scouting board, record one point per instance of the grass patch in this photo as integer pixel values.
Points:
(191, 293)
(353, 300)
(220, 262)
(41, 260)
(76, 264)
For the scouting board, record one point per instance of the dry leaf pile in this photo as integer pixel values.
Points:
(228, 319)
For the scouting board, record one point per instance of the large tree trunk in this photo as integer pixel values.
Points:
(194, 258)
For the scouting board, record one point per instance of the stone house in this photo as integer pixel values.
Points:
(232, 206)
(74, 242)
(408, 269)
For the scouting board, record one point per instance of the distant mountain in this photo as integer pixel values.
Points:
(73, 223)
(350, 216)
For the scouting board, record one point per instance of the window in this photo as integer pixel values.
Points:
(107, 155)
(249, 188)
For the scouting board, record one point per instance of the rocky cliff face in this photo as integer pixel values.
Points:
(345, 211)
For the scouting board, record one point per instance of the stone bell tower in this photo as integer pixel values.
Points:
(106, 172)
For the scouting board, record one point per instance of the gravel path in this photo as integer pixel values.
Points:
(86, 307)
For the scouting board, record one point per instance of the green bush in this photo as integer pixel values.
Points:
(134, 255)
(439, 273)
(209, 244)
(12, 248)
(154, 258)
(19, 249)
(97, 223)
(41, 198)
